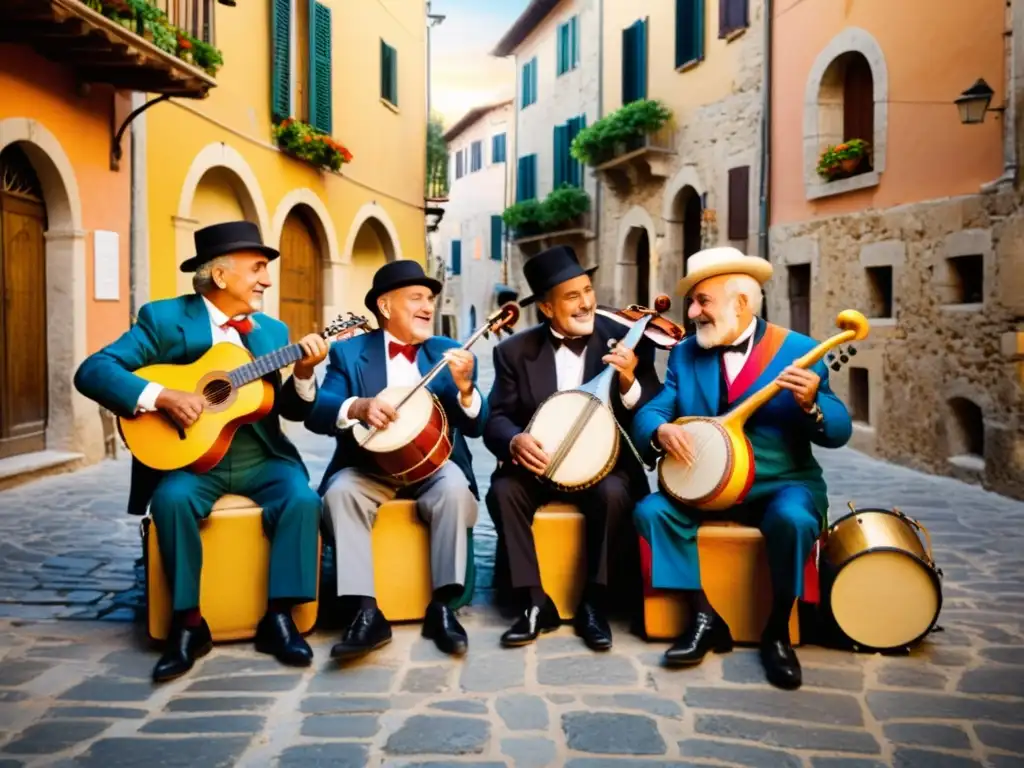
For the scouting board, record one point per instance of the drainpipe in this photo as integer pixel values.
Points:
(138, 233)
(766, 136)
(1012, 34)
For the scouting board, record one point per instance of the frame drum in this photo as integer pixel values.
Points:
(415, 445)
(880, 582)
(593, 452)
(710, 467)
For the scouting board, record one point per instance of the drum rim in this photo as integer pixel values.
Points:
(883, 510)
(723, 481)
(363, 431)
(933, 574)
(615, 452)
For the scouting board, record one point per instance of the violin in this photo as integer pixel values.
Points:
(661, 330)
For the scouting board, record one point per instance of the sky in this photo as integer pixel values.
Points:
(463, 73)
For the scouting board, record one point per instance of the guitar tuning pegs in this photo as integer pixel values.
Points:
(836, 366)
(830, 357)
(612, 343)
(851, 350)
(844, 359)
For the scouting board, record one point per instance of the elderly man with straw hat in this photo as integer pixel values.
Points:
(733, 354)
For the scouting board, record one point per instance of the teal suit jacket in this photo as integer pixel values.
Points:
(178, 331)
(358, 368)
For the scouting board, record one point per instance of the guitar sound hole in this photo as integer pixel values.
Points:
(217, 391)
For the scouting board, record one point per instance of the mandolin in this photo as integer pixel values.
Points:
(231, 382)
(723, 467)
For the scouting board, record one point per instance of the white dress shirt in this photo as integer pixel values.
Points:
(734, 361)
(306, 388)
(569, 372)
(403, 372)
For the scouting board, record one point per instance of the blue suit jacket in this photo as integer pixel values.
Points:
(358, 368)
(178, 331)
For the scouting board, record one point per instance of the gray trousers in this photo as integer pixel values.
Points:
(443, 501)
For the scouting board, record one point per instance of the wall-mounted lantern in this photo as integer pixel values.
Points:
(974, 103)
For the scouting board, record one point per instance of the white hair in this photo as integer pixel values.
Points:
(202, 280)
(745, 285)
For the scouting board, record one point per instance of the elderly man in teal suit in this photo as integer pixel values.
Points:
(230, 268)
(733, 355)
(402, 298)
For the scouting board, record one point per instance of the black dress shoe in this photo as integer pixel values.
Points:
(184, 645)
(781, 666)
(532, 623)
(707, 632)
(592, 626)
(441, 626)
(277, 635)
(368, 631)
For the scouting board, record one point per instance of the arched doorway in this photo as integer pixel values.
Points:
(688, 211)
(218, 198)
(371, 248)
(24, 378)
(301, 286)
(643, 269)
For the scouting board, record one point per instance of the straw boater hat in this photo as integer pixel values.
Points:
(712, 262)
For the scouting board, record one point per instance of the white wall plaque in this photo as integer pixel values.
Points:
(106, 266)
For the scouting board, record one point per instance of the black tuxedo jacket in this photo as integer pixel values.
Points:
(525, 375)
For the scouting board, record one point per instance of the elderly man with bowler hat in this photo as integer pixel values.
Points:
(404, 348)
(570, 347)
(734, 354)
(230, 278)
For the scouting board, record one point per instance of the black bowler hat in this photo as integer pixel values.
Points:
(398, 274)
(222, 239)
(550, 268)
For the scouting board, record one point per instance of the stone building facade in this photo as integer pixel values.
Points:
(697, 182)
(926, 238)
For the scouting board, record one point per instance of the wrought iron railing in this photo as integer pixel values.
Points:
(193, 16)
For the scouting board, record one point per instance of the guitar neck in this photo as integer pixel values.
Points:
(601, 386)
(265, 364)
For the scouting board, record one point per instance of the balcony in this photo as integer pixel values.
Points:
(647, 158)
(127, 44)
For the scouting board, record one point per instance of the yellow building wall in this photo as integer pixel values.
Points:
(216, 158)
(684, 90)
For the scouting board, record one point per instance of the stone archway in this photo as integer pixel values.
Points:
(219, 185)
(65, 270)
(372, 241)
(304, 233)
(681, 209)
(636, 259)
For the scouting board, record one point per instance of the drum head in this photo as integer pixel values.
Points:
(591, 453)
(413, 417)
(712, 453)
(884, 599)
(554, 418)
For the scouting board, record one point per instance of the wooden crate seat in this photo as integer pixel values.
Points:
(234, 581)
(560, 533)
(734, 572)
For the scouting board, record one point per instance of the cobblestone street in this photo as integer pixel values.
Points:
(75, 689)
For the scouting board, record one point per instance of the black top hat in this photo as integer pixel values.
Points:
(550, 268)
(398, 274)
(222, 239)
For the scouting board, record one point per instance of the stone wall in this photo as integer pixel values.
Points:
(938, 356)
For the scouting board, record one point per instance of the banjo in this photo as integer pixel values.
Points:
(418, 444)
(577, 427)
(723, 468)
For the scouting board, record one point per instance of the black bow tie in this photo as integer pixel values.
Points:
(740, 346)
(575, 345)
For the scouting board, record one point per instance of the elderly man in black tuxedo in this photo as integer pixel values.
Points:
(571, 346)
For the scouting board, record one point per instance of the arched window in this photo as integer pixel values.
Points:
(966, 436)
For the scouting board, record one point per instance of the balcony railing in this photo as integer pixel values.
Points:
(123, 43)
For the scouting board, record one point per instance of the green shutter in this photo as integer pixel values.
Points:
(456, 257)
(280, 59)
(393, 74)
(641, 59)
(689, 31)
(388, 73)
(628, 64)
(574, 57)
(560, 156)
(496, 238)
(320, 66)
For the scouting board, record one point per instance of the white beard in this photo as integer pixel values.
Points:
(709, 336)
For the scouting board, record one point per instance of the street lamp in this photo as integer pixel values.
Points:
(974, 103)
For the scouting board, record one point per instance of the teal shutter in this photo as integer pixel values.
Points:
(388, 73)
(575, 171)
(521, 180)
(628, 64)
(574, 56)
(456, 257)
(641, 59)
(320, 105)
(689, 31)
(496, 234)
(393, 74)
(526, 178)
(524, 98)
(561, 156)
(280, 59)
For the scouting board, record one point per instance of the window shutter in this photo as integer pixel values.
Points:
(562, 50)
(574, 57)
(628, 64)
(393, 75)
(281, 59)
(689, 31)
(531, 174)
(739, 203)
(732, 15)
(496, 234)
(560, 176)
(320, 66)
(456, 257)
(521, 179)
(641, 60)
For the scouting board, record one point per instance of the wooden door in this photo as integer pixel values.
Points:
(23, 371)
(301, 278)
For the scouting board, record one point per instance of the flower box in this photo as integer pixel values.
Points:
(304, 142)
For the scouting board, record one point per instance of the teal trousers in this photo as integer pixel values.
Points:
(291, 519)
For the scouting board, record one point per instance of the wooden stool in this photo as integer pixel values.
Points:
(401, 562)
(560, 533)
(734, 572)
(235, 576)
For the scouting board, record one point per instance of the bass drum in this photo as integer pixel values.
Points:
(879, 581)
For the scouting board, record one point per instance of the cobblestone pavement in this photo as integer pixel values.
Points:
(75, 690)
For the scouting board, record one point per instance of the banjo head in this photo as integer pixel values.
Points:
(595, 448)
(711, 468)
(414, 416)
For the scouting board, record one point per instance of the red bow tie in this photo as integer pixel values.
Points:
(409, 350)
(242, 325)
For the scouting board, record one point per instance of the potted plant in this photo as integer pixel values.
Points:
(303, 141)
(621, 131)
(563, 207)
(843, 159)
(523, 219)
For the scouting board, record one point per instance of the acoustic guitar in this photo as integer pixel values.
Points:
(231, 383)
